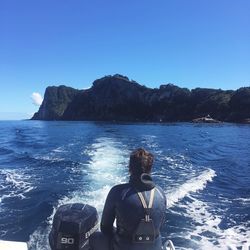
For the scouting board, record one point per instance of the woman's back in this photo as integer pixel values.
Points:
(124, 204)
(138, 208)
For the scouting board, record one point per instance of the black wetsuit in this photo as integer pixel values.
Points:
(124, 205)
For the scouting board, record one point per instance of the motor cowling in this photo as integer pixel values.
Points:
(72, 226)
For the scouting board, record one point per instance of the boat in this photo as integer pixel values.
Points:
(205, 119)
(72, 227)
(15, 245)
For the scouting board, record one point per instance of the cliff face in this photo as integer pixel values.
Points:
(56, 100)
(116, 98)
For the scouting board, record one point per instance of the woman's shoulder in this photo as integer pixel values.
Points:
(120, 187)
(160, 191)
(120, 191)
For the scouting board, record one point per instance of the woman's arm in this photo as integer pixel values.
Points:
(108, 215)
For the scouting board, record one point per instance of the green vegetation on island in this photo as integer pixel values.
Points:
(116, 98)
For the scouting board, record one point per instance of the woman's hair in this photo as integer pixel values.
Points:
(140, 162)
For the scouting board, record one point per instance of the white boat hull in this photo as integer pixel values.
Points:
(13, 245)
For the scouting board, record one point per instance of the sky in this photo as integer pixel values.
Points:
(190, 43)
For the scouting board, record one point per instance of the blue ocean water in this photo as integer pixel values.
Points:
(203, 169)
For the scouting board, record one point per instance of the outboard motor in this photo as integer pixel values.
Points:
(72, 226)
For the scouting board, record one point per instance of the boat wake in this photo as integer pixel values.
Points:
(14, 183)
(105, 168)
(207, 232)
(193, 185)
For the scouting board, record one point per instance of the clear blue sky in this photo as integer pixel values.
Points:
(187, 42)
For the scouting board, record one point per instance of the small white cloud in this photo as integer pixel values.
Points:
(87, 88)
(36, 98)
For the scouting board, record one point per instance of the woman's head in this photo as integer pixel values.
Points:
(141, 161)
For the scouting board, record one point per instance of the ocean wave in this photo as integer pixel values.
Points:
(60, 149)
(16, 182)
(39, 239)
(208, 234)
(151, 143)
(50, 158)
(5, 151)
(108, 159)
(244, 201)
(193, 185)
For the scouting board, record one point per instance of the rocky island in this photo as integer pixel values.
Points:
(116, 98)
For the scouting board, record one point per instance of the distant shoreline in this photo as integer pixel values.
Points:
(116, 98)
(131, 122)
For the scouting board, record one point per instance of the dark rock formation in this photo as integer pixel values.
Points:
(116, 98)
(56, 100)
(247, 121)
(240, 105)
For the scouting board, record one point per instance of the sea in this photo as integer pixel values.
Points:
(204, 170)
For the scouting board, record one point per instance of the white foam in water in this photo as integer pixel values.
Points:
(244, 201)
(50, 157)
(152, 143)
(17, 182)
(193, 185)
(59, 150)
(205, 220)
(108, 161)
(232, 238)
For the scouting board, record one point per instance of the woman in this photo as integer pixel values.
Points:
(138, 207)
